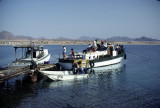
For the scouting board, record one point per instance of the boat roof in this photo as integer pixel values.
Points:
(28, 46)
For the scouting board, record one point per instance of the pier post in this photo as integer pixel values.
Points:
(32, 54)
(16, 53)
(22, 52)
(25, 54)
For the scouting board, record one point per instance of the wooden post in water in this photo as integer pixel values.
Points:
(25, 53)
(16, 53)
(32, 54)
(22, 52)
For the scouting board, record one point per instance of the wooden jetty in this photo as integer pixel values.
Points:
(8, 73)
(45, 66)
(11, 72)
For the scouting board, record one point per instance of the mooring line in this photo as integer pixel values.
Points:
(54, 57)
(137, 55)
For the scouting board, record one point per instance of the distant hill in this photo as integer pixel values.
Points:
(143, 38)
(119, 38)
(5, 35)
(24, 37)
(116, 38)
(88, 38)
(62, 38)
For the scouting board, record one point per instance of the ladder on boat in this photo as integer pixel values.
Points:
(83, 63)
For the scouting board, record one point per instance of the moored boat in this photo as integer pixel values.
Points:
(76, 66)
(31, 54)
(91, 58)
(107, 69)
(63, 75)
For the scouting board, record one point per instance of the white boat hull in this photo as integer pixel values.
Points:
(67, 77)
(44, 59)
(63, 75)
(27, 62)
(57, 72)
(32, 53)
(106, 69)
(108, 62)
(68, 66)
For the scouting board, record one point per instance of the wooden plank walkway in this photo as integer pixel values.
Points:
(13, 71)
(45, 66)
(9, 73)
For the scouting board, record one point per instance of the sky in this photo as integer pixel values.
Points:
(76, 18)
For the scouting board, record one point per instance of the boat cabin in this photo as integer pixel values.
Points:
(30, 51)
(91, 54)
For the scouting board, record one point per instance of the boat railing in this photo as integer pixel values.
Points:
(74, 56)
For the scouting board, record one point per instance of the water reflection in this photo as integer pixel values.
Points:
(106, 69)
(12, 92)
(100, 86)
(56, 84)
(107, 77)
(101, 81)
(107, 74)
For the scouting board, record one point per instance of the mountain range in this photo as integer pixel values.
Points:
(118, 38)
(5, 35)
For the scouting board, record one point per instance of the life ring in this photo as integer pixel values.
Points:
(91, 64)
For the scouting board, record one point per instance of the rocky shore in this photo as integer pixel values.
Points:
(72, 42)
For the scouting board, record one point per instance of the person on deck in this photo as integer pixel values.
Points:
(96, 41)
(102, 45)
(102, 42)
(117, 48)
(64, 52)
(72, 54)
(95, 44)
(76, 67)
(42, 54)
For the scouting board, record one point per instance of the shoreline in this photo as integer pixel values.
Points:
(72, 42)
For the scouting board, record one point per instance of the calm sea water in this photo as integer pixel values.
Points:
(133, 83)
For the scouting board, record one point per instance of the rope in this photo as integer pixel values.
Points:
(137, 55)
(54, 57)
